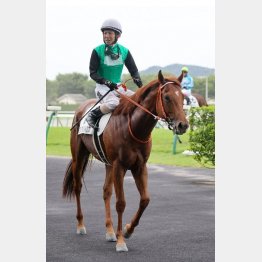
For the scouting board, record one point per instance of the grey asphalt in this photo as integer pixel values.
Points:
(178, 225)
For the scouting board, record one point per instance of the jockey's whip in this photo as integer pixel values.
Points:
(90, 109)
(122, 84)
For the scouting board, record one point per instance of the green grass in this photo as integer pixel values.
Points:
(162, 149)
(58, 141)
(58, 144)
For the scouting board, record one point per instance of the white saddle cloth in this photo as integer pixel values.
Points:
(85, 128)
(193, 101)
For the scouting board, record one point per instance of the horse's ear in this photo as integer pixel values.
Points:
(180, 78)
(161, 79)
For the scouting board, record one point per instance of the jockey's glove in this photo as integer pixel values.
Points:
(138, 82)
(112, 86)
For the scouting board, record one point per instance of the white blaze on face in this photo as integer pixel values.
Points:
(177, 93)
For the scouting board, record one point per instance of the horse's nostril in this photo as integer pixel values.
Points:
(182, 126)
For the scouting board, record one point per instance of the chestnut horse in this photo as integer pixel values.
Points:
(126, 142)
(200, 99)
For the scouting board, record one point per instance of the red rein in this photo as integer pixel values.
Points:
(159, 107)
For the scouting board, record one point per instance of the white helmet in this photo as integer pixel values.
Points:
(112, 24)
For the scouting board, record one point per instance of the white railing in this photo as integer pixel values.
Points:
(61, 118)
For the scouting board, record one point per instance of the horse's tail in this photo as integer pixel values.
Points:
(68, 183)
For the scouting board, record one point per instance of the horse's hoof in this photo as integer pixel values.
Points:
(121, 247)
(126, 234)
(111, 237)
(81, 231)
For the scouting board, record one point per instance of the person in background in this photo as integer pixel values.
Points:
(187, 84)
(106, 66)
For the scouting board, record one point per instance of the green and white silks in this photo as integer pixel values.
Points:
(111, 70)
(108, 68)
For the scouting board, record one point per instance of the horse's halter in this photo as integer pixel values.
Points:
(160, 108)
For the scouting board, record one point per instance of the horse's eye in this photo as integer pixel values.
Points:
(167, 99)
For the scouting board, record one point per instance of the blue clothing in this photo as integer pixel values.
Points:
(187, 82)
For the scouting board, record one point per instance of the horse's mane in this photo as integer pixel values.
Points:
(126, 107)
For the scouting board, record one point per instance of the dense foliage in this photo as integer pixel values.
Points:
(74, 83)
(202, 134)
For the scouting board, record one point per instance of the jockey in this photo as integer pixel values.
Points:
(106, 65)
(187, 84)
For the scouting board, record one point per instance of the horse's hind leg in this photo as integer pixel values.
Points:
(118, 177)
(108, 187)
(78, 165)
(141, 176)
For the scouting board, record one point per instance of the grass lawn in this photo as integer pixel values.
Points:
(162, 149)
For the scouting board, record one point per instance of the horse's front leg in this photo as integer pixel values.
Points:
(108, 187)
(141, 176)
(118, 175)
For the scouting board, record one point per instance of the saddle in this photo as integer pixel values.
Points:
(86, 129)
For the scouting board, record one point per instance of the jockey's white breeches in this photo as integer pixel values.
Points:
(186, 92)
(111, 100)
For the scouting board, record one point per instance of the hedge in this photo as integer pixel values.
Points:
(202, 134)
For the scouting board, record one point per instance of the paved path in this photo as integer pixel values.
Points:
(178, 225)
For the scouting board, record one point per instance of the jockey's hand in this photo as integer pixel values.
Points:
(138, 82)
(111, 85)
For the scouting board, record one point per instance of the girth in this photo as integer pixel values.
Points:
(98, 146)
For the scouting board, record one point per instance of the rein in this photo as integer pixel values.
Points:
(158, 102)
(138, 105)
(133, 136)
(146, 110)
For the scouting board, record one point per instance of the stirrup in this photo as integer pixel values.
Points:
(92, 122)
(93, 117)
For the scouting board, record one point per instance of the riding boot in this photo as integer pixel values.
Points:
(188, 100)
(93, 117)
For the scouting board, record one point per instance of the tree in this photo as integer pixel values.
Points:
(89, 91)
(200, 86)
(51, 91)
(73, 83)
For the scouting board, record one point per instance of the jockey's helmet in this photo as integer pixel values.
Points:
(112, 24)
(184, 69)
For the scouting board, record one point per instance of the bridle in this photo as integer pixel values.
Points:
(160, 107)
(161, 114)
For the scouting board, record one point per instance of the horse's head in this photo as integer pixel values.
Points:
(170, 103)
